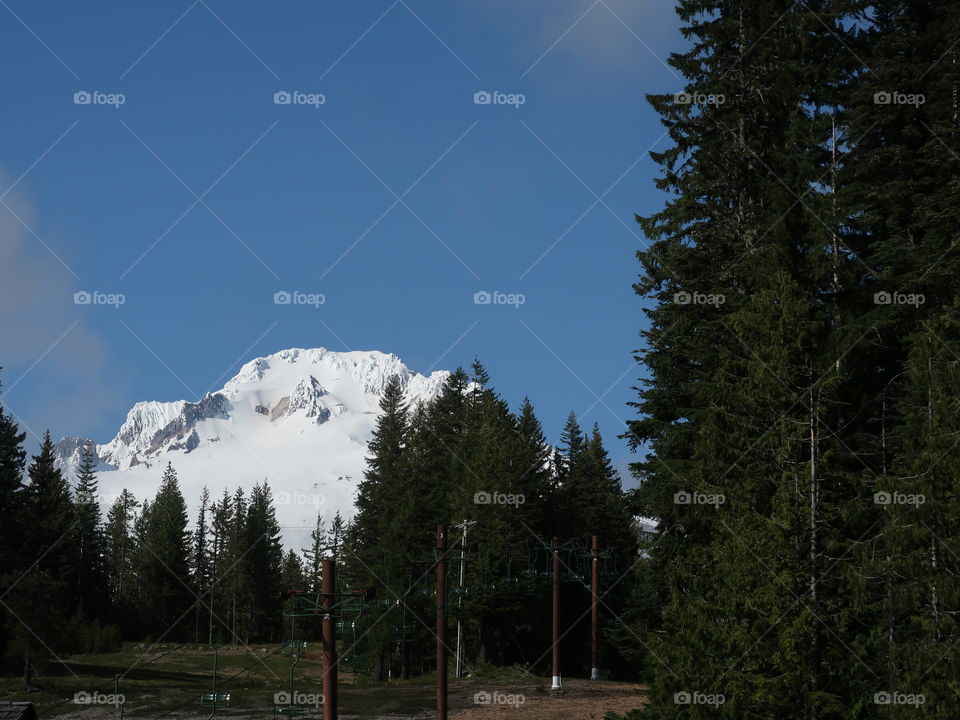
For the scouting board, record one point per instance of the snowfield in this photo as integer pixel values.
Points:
(299, 419)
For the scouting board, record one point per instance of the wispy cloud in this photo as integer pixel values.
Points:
(57, 370)
(595, 40)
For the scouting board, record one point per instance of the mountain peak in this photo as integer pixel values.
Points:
(302, 417)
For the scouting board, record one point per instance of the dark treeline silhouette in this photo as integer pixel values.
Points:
(466, 456)
(802, 365)
(74, 581)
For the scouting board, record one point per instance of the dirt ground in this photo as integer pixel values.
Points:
(166, 682)
(580, 700)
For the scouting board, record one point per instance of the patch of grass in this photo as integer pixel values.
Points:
(168, 679)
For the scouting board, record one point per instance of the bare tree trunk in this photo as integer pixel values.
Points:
(934, 602)
(814, 500)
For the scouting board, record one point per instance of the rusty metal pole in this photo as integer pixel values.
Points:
(595, 609)
(441, 622)
(328, 588)
(555, 684)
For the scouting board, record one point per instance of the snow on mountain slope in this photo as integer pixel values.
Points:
(301, 419)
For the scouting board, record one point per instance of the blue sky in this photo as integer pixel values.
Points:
(398, 198)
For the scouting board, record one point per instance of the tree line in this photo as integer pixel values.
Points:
(465, 456)
(74, 580)
(798, 416)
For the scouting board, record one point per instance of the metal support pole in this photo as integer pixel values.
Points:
(210, 627)
(216, 667)
(464, 526)
(595, 609)
(441, 622)
(555, 684)
(328, 588)
(116, 695)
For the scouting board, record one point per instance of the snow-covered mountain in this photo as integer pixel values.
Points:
(301, 419)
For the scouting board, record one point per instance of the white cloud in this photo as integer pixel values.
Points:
(599, 42)
(70, 386)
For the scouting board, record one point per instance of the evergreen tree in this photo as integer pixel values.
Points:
(315, 554)
(12, 499)
(898, 188)
(748, 273)
(488, 495)
(383, 475)
(571, 477)
(293, 577)
(141, 562)
(335, 536)
(12, 462)
(51, 516)
(605, 510)
(437, 464)
(376, 561)
(89, 539)
(47, 522)
(236, 578)
(221, 564)
(165, 554)
(914, 583)
(531, 464)
(200, 558)
(200, 563)
(264, 563)
(119, 548)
